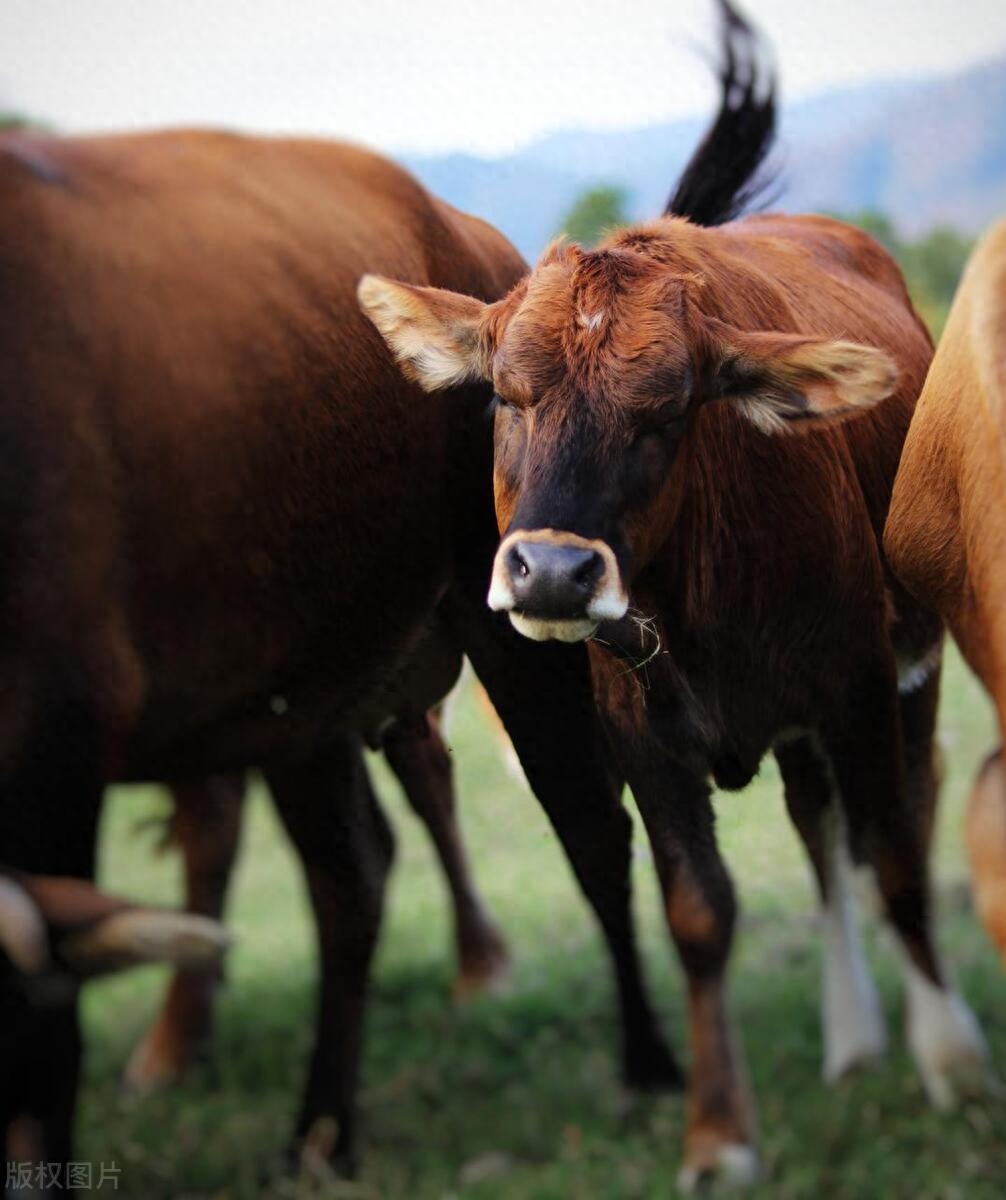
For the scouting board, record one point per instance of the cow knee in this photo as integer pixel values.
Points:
(702, 913)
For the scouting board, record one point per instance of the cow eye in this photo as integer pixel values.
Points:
(497, 404)
(667, 427)
(675, 421)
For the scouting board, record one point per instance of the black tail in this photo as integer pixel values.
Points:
(723, 176)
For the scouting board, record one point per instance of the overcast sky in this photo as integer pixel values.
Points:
(477, 75)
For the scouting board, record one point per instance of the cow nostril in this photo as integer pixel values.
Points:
(589, 570)
(518, 564)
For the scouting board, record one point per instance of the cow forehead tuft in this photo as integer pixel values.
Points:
(603, 331)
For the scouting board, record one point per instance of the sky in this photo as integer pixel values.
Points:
(473, 75)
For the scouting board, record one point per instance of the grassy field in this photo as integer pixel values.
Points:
(517, 1096)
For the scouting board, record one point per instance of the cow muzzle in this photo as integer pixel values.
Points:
(556, 584)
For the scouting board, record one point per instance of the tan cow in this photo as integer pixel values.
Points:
(946, 533)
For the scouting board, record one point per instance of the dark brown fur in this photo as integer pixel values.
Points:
(232, 535)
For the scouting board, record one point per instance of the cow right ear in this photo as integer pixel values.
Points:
(780, 380)
(436, 335)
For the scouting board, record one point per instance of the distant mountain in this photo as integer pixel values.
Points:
(936, 154)
(926, 152)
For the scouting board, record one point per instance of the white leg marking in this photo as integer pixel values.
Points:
(853, 1024)
(945, 1040)
(734, 1165)
(912, 675)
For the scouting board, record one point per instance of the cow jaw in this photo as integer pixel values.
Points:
(543, 629)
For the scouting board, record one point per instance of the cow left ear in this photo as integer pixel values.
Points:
(434, 334)
(777, 380)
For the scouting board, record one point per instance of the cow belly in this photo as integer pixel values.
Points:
(294, 717)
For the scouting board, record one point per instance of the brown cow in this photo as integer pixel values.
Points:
(205, 824)
(233, 534)
(946, 532)
(728, 575)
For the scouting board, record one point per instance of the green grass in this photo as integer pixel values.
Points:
(517, 1096)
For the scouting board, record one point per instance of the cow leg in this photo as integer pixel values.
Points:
(41, 1080)
(986, 840)
(701, 912)
(423, 766)
(889, 821)
(206, 826)
(48, 820)
(543, 696)
(918, 708)
(851, 1015)
(346, 846)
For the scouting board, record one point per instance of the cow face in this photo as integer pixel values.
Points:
(600, 361)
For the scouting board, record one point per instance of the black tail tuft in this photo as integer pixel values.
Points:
(724, 174)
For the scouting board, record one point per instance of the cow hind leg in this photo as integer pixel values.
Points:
(346, 846)
(881, 751)
(851, 1016)
(206, 826)
(422, 764)
(986, 837)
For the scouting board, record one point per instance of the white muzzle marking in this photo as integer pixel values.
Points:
(608, 603)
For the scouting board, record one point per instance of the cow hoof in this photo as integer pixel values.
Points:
(135, 936)
(484, 966)
(729, 1164)
(854, 1047)
(949, 1085)
(156, 1064)
(947, 1044)
(322, 1156)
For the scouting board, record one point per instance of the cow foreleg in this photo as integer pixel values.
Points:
(543, 696)
(423, 765)
(346, 846)
(701, 910)
(206, 824)
(889, 816)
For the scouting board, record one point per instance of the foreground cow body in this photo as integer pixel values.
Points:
(730, 576)
(233, 535)
(946, 532)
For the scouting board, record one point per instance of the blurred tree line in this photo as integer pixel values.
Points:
(932, 264)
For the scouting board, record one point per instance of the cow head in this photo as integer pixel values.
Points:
(600, 361)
